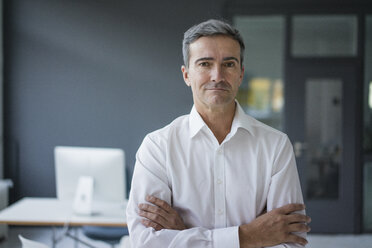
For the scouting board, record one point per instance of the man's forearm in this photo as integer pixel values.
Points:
(160, 215)
(161, 222)
(196, 237)
(275, 227)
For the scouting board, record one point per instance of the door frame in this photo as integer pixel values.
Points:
(357, 62)
(322, 7)
(347, 201)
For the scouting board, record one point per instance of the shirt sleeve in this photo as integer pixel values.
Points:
(150, 178)
(285, 185)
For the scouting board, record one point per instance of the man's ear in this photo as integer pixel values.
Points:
(185, 75)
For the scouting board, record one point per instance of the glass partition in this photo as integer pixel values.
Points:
(324, 36)
(323, 125)
(262, 92)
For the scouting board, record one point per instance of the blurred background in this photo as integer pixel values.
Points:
(105, 73)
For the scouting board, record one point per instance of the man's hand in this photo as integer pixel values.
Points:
(275, 227)
(160, 216)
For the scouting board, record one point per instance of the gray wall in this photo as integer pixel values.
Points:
(90, 73)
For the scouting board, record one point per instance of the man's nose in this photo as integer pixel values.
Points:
(217, 74)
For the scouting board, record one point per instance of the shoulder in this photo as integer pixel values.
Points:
(154, 146)
(266, 137)
(262, 130)
(179, 126)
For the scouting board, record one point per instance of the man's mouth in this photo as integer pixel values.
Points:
(221, 86)
(218, 89)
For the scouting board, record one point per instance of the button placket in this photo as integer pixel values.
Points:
(219, 188)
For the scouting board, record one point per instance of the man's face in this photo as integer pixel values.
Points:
(214, 71)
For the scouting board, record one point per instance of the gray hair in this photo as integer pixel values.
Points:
(210, 28)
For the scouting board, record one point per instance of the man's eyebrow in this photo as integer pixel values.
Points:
(203, 58)
(211, 58)
(231, 58)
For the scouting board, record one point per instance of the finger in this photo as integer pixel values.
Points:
(292, 238)
(158, 219)
(148, 223)
(296, 218)
(153, 209)
(290, 208)
(298, 227)
(158, 202)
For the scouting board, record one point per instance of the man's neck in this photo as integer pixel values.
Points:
(219, 120)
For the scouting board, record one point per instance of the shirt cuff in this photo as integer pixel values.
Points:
(226, 237)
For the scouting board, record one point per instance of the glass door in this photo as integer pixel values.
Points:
(323, 117)
(321, 99)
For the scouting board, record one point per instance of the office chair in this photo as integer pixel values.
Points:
(27, 243)
(110, 235)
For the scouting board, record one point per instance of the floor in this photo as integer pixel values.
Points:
(44, 235)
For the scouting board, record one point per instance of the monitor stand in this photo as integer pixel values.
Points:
(84, 196)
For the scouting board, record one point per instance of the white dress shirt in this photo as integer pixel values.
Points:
(214, 187)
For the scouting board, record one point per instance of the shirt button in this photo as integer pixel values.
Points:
(219, 181)
(220, 212)
(219, 152)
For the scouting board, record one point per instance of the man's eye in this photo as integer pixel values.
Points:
(230, 64)
(204, 64)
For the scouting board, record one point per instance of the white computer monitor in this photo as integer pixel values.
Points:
(104, 165)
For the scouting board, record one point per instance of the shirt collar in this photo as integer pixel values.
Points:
(241, 120)
(196, 123)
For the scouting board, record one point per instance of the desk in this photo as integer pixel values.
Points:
(52, 212)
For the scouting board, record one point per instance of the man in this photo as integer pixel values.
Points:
(208, 178)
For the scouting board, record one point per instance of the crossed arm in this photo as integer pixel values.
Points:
(284, 225)
(272, 228)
